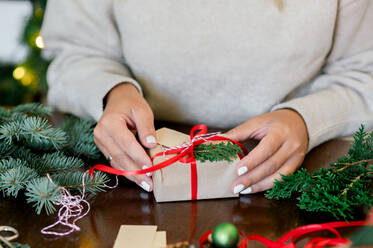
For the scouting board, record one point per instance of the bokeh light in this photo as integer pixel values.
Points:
(19, 72)
(39, 42)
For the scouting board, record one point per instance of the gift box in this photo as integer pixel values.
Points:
(188, 178)
(195, 167)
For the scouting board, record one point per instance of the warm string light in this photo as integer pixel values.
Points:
(19, 72)
(39, 42)
(25, 76)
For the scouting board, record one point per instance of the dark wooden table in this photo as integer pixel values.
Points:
(128, 205)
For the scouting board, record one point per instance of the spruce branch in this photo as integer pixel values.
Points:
(5, 150)
(10, 163)
(25, 154)
(43, 194)
(39, 134)
(10, 132)
(57, 162)
(15, 179)
(5, 114)
(30, 147)
(80, 135)
(33, 109)
(73, 181)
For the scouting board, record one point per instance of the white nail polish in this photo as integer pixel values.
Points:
(242, 170)
(149, 174)
(150, 140)
(247, 191)
(145, 186)
(237, 189)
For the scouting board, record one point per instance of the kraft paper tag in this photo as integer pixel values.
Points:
(160, 240)
(136, 237)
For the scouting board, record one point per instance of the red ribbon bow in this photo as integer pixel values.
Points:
(184, 154)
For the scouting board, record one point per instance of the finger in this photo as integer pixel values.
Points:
(264, 150)
(288, 168)
(124, 162)
(101, 148)
(144, 122)
(242, 132)
(265, 169)
(127, 142)
(120, 160)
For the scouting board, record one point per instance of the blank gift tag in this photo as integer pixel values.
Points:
(135, 237)
(160, 240)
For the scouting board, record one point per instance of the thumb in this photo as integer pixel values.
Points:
(144, 122)
(243, 131)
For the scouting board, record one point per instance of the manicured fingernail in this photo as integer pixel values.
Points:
(150, 139)
(238, 188)
(146, 167)
(242, 170)
(247, 191)
(145, 186)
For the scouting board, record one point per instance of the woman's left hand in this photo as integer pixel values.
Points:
(283, 144)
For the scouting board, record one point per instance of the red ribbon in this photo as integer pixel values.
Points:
(183, 154)
(288, 240)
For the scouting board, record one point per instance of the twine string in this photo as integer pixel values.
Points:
(72, 209)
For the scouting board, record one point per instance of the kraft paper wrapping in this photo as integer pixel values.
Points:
(173, 183)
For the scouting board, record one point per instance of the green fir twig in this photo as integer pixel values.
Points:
(214, 152)
(31, 148)
(339, 190)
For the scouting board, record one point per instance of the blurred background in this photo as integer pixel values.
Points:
(22, 68)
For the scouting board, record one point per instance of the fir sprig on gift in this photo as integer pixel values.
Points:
(214, 152)
(338, 190)
(30, 147)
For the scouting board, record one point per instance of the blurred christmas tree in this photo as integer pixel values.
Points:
(26, 82)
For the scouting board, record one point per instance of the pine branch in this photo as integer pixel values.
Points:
(42, 194)
(73, 181)
(33, 109)
(9, 132)
(56, 162)
(30, 148)
(5, 115)
(35, 131)
(25, 154)
(10, 163)
(5, 149)
(80, 136)
(223, 151)
(15, 179)
(39, 134)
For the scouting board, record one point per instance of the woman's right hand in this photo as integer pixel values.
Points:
(126, 110)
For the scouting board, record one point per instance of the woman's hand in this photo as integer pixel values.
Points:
(283, 145)
(126, 110)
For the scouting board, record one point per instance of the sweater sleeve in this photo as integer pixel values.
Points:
(82, 39)
(340, 98)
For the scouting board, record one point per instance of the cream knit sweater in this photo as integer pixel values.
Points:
(218, 62)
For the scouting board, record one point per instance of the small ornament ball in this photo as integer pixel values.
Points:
(225, 235)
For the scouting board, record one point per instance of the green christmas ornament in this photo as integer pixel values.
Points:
(225, 235)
